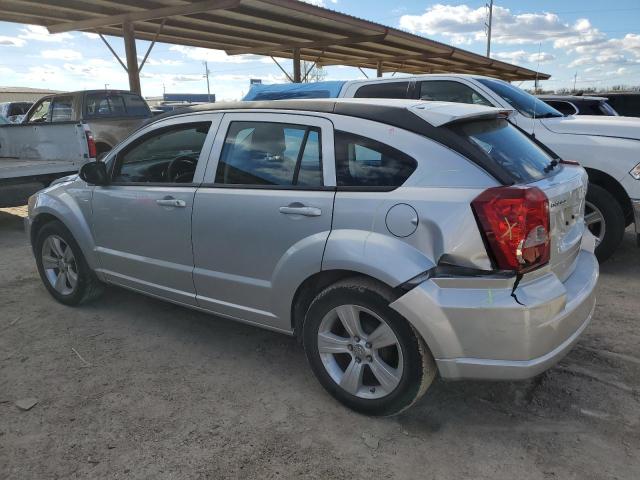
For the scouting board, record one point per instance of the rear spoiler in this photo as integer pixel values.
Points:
(441, 115)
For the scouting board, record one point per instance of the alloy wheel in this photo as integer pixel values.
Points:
(594, 219)
(360, 351)
(59, 265)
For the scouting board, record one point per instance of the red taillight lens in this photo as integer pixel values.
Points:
(91, 145)
(515, 224)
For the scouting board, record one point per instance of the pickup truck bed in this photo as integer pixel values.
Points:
(12, 168)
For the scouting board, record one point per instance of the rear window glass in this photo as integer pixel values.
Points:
(383, 90)
(108, 104)
(508, 147)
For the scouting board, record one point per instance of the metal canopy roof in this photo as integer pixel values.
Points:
(280, 28)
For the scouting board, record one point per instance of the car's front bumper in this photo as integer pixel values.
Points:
(476, 329)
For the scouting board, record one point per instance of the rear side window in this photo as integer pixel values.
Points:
(364, 162)
(383, 90)
(508, 147)
(269, 153)
(136, 106)
(449, 91)
(564, 108)
(104, 104)
(61, 109)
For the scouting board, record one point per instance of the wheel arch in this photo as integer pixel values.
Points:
(614, 187)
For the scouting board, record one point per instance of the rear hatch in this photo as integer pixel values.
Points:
(531, 165)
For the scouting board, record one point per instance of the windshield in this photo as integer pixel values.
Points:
(509, 148)
(526, 104)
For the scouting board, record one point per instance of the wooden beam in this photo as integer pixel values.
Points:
(152, 14)
(312, 44)
(402, 58)
(129, 35)
(297, 77)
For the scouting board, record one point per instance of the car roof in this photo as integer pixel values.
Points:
(381, 110)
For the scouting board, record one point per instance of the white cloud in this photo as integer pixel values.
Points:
(61, 54)
(205, 54)
(11, 41)
(91, 35)
(160, 61)
(41, 34)
(521, 56)
(320, 3)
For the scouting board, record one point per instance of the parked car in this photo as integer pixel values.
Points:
(396, 239)
(625, 103)
(579, 105)
(59, 134)
(606, 146)
(14, 111)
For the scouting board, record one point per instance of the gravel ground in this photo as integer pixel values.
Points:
(131, 387)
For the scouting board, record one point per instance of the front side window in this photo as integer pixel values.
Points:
(268, 153)
(383, 90)
(508, 147)
(448, 91)
(522, 101)
(364, 162)
(40, 113)
(61, 110)
(168, 155)
(104, 104)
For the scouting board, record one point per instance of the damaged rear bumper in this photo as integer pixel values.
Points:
(476, 330)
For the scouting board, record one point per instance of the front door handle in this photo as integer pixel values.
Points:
(301, 210)
(171, 202)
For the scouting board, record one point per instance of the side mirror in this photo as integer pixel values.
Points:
(94, 173)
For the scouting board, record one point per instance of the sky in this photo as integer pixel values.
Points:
(583, 40)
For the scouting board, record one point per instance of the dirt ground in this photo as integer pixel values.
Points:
(131, 387)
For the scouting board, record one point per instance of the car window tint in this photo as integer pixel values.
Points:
(168, 155)
(136, 106)
(41, 112)
(61, 110)
(363, 162)
(508, 147)
(565, 108)
(449, 91)
(383, 90)
(268, 153)
(104, 104)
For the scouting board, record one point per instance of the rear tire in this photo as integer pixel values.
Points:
(373, 362)
(603, 212)
(62, 266)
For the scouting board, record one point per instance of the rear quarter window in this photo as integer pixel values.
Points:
(383, 90)
(508, 147)
(109, 104)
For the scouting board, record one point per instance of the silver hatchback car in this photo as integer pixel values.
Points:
(397, 239)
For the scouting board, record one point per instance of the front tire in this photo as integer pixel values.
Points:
(62, 266)
(364, 353)
(605, 219)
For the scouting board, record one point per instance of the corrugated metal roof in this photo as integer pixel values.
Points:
(265, 27)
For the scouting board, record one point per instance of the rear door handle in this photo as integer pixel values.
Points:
(302, 210)
(171, 202)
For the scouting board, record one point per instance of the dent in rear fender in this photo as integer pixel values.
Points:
(72, 207)
(300, 261)
(385, 258)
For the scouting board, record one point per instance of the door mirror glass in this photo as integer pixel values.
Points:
(94, 173)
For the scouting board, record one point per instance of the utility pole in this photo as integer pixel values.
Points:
(575, 77)
(488, 25)
(206, 74)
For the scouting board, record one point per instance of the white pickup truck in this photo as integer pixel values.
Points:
(59, 134)
(607, 147)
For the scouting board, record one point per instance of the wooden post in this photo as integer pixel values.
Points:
(297, 75)
(379, 70)
(129, 35)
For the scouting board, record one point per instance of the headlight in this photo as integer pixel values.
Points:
(635, 172)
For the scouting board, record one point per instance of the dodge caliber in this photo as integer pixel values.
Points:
(397, 239)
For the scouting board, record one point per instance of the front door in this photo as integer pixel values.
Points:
(262, 218)
(142, 220)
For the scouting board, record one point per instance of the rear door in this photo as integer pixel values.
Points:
(262, 218)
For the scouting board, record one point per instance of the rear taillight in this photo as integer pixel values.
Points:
(515, 224)
(91, 144)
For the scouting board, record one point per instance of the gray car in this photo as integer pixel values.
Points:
(396, 239)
